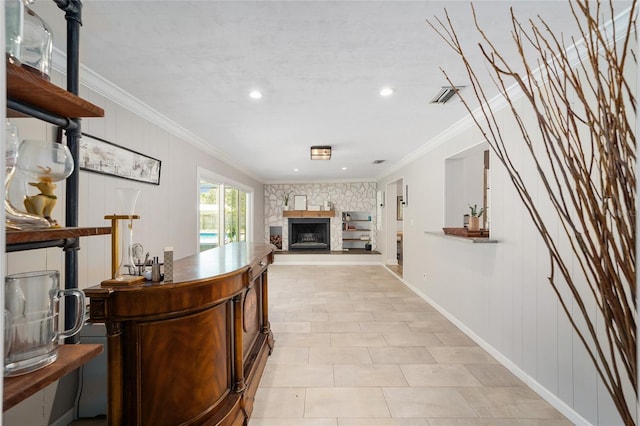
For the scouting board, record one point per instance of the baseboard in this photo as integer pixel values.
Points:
(64, 420)
(544, 393)
(283, 258)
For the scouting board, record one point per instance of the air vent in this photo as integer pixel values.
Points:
(445, 93)
(378, 161)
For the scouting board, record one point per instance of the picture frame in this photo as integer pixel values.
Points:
(107, 158)
(300, 202)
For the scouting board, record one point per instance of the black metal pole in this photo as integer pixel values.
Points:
(73, 16)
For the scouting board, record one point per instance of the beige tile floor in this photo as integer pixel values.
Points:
(355, 347)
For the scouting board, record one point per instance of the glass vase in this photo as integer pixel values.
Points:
(16, 218)
(37, 43)
(46, 163)
(127, 198)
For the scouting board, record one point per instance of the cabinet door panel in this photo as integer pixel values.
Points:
(252, 317)
(185, 366)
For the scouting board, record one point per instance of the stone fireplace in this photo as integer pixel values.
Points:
(309, 234)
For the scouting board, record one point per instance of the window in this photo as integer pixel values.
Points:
(209, 215)
(223, 211)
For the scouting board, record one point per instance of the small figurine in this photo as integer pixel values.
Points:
(43, 203)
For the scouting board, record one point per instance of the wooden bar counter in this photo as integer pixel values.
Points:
(190, 352)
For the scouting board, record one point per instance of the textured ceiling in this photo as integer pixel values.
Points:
(320, 66)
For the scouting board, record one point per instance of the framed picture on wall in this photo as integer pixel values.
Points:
(399, 206)
(100, 156)
(299, 202)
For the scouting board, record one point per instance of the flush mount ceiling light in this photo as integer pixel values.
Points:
(321, 153)
(445, 93)
(255, 94)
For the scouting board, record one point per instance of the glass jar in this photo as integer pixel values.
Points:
(29, 40)
(37, 43)
(13, 17)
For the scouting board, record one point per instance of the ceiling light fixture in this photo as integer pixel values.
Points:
(255, 94)
(344, 168)
(386, 91)
(321, 152)
(445, 93)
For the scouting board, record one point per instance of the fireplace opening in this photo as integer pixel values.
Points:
(309, 234)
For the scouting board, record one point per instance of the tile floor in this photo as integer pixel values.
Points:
(355, 347)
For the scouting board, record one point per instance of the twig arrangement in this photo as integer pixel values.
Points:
(584, 151)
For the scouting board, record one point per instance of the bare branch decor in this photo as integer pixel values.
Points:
(583, 147)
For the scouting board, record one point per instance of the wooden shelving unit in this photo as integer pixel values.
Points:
(29, 95)
(70, 357)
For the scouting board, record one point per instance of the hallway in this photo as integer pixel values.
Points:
(355, 347)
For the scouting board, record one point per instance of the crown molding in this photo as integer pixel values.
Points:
(321, 181)
(104, 87)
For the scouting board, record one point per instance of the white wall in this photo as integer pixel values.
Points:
(168, 215)
(498, 293)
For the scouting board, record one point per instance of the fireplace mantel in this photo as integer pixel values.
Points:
(308, 213)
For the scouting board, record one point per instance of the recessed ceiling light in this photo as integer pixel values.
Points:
(255, 94)
(344, 168)
(296, 170)
(386, 91)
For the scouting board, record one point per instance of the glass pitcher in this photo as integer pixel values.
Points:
(31, 311)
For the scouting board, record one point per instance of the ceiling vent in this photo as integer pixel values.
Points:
(378, 161)
(445, 93)
(321, 153)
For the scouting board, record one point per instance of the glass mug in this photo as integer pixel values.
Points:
(31, 311)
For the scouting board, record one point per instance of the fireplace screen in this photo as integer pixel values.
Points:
(309, 234)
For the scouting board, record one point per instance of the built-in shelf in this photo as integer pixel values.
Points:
(308, 213)
(70, 357)
(30, 89)
(478, 240)
(356, 229)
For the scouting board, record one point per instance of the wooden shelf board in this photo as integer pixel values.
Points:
(30, 89)
(15, 237)
(464, 232)
(308, 213)
(70, 357)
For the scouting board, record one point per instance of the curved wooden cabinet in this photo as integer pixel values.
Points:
(190, 352)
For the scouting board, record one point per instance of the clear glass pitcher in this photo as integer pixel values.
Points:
(31, 311)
